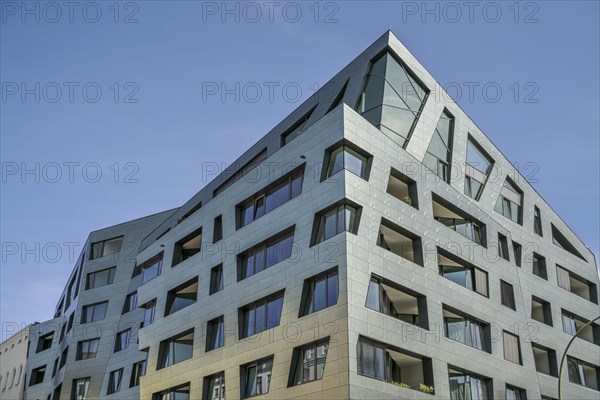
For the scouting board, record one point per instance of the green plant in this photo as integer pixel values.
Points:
(426, 389)
(407, 200)
(401, 384)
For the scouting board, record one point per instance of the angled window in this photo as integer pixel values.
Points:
(583, 373)
(295, 130)
(79, 390)
(400, 241)
(122, 340)
(503, 247)
(465, 385)
(182, 296)
(77, 286)
(576, 284)
(151, 268)
(261, 315)
(512, 348)
(463, 273)
(137, 371)
(341, 217)
(100, 278)
(439, 153)
(214, 387)
(346, 156)
(517, 252)
(561, 241)
(466, 329)
(37, 375)
(541, 310)
(63, 330)
(477, 169)
(114, 381)
(55, 367)
(308, 362)
(392, 98)
(256, 377)
(106, 247)
(507, 295)
(184, 217)
(218, 228)
(514, 393)
(403, 188)
(94, 312)
(339, 98)
(274, 195)
(187, 247)
(56, 392)
(319, 292)
(396, 301)
(539, 266)
(216, 279)
(239, 172)
(181, 392)
(573, 323)
(130, 302)
(266, 254)
(545, 360)
(63, 357)
(71, 321)
(87, 349)
(459, 221)
(176, 349)
(45, 342)
(537, 221)
(215, 334)
(510, 202)
(149, 311)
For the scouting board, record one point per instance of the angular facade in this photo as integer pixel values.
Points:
(375, 244)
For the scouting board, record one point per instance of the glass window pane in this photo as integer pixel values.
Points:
(354, 162)
(320, 294)
(296, 185)
(277, 197)
(332, 290)
(330, 225)
(260, 317)
(336, 162)
(373, 296)
(274, 308)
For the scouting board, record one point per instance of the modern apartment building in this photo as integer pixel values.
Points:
(374, 244)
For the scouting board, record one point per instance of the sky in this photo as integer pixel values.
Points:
(109, 111)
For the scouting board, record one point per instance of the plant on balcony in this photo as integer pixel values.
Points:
(426, 389)
(401, 384)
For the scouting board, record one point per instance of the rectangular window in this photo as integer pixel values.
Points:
(114, 381)
(106, 247)
(572, 324)
(462, 273)
(261, 315)
(94, 312)
(45, 342)
(466, 329)
(503, 247)
(218, 229)
(239, 173)
(467, 385)
(87, 349)
(583, 373)
(341, 217)
(149, 311)
(539, 266)
(403, 188)
(346, 156)
(182, 296)
(80, 388)
(477, 169)
(187, 247)
(507, 295)
(545, 360)
(151, 268)
(214, 387)
(130, 302)
(256, 377)
(512, 348)
(319, 292)
(510, 202)
(513, 393)
(100, 278)
(309, 362)
(176, 349)
(400, 241)
(266, 200)
(456, 219)
(272, 251)
(537, 221)
(517, 251)
(37, 375)
(576, 284)
(541, 310)
(216, 279)
(181, 392)
(137, 371)
(122, 340)
(215, 334)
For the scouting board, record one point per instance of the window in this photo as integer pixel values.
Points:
(137, 371)
(462, 273)
(71, 320)
(56, 392)
(510, 202)
(215, 334)
(541, 310)
(261, 315)
(466, 329)
(94, 312)
(45, 342)
(256, 377)
(477, 169)
(517, 251)
(239, 172)
(151, 268)
(266, 254)
(457, 220)
(266, 200)
(114, 381)
(63, 357)
(187, 247)
(403, 188)
(130, 302)
(80, 388)
(438, 157)
(335, 220)
(309, 362)
(63, 330)
(295, 130)
(507, 295)
(561, 241)
(466, 385)
(122, 340)
(390, 364)
(339, 98)
(182, 296)
(69, 295)
(176, 393)
(397, 301)
(319, 292)
(513, 393)
(176, 349)
(400, 241)
(576, 284)
(37, 376)
(346, 156)
(503, 247)
(537, 221)
(573, 323)
(100, 278)
(545, 360)
(106, 247)
(218, 229)
(55, 367)
(149, 311)
(539, 266)
(87, 349)
(216, 279)
(583, 373)
(184, 217)
(392, 98)
(214, 387)
(512, 348)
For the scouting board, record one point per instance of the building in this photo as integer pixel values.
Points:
(13, 365)
(406, 258)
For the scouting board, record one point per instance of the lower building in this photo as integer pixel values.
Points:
(13, 364)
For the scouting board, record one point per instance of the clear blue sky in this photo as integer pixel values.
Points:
(550, 49)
